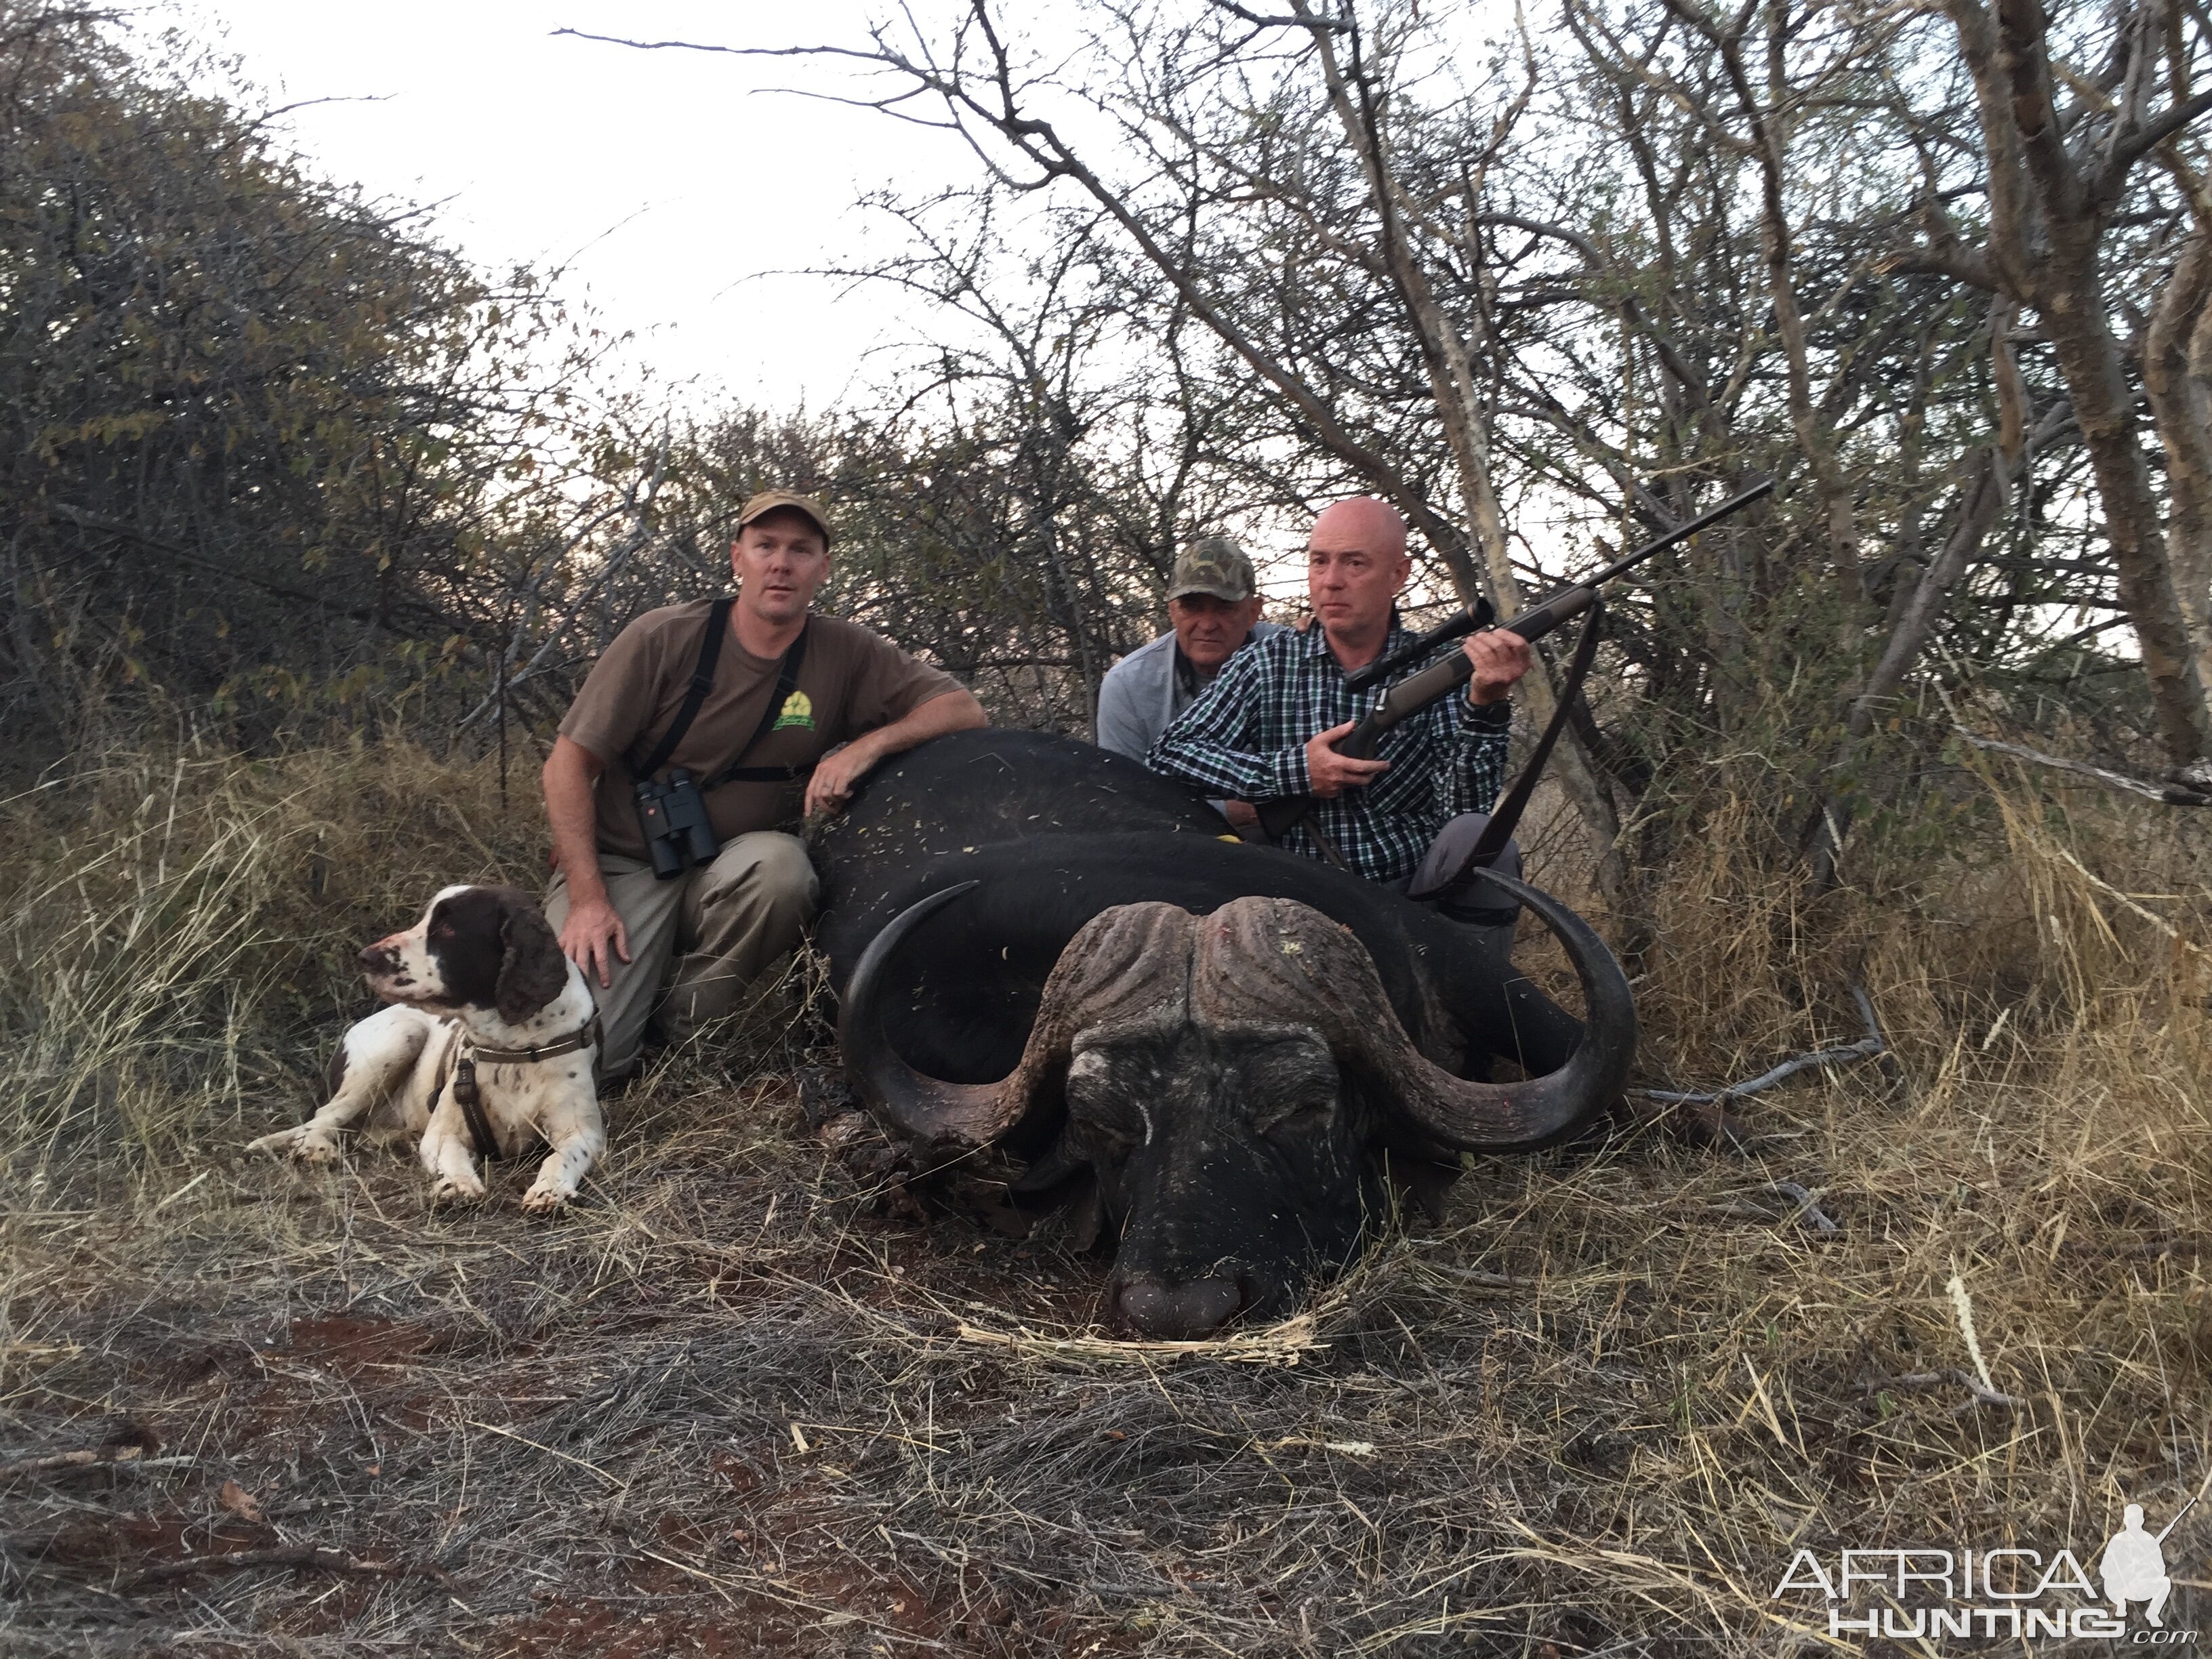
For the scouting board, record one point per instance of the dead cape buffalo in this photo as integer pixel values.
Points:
(1042, 946)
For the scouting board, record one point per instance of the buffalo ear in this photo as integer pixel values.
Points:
(1086, 1216)
(531, 969)
(1428, 1184)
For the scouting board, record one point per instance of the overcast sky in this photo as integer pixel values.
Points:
(673, 186)
(670, 184)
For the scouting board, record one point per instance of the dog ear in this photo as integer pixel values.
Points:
(531, 969)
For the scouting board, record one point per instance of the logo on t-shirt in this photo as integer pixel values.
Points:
(798, 710)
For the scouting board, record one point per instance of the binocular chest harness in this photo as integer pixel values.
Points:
(679, 832)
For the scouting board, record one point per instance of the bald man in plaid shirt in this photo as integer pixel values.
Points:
(1265, 728)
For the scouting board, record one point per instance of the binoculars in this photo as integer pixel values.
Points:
(673, 816)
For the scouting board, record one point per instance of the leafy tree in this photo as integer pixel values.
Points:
(257, 435)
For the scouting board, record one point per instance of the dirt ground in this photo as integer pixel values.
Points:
(734, 1406)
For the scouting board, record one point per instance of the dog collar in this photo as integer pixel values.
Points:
(568, 1045)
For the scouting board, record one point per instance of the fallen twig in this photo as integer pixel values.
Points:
(1887, 1060)
(1966, 1379)
(1481, 1276)
(88, 1457)
(1873, 1046)
(2128, 904)
(1284, 1344)
(1808, 1213)
(303, 1556)
(2170, 794)
(1864, 1048)
(1348, 1448)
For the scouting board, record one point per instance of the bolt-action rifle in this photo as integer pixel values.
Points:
(1442, 679)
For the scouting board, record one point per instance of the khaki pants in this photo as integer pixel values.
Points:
(723, 925)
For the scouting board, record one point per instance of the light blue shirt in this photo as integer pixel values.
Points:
(1142, 694)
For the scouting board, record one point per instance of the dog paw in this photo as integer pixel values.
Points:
(543, 1201)
(450, 1190)
(306, 1143)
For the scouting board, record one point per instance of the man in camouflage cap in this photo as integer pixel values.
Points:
(1213, 604)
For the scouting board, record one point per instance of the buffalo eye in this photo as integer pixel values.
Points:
(1293, 1090)
(1297, 1119)
(1098, 1110)
(1107, 1123)
(1108, 1142)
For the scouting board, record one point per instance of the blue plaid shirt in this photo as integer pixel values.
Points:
(1245, 738)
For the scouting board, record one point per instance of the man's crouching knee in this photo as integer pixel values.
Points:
(761, 879)
(748, 911)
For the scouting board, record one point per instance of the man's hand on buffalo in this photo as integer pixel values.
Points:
(837, 776)
(594, 937)
(1500, 657)
(1331, 773)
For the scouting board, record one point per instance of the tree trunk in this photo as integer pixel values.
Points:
(1816, 438)
(2073, 312)
(2178, 374)
(2047, 218)
(1982, 491)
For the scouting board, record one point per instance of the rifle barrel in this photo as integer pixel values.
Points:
(1681, 532)
(1451, 629)
(2176, 1522)
(1416, 691)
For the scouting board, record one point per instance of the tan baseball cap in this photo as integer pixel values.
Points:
(1215, 565)
(777, 500)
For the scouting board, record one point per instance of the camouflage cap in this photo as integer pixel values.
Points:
(1215, 565)
(779, 501)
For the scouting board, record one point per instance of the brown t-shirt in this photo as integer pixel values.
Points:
(851, 683)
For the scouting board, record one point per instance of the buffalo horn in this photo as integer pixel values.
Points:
(1511, 1116)
(1262, 959)
(926, 1107)
(1127, 965)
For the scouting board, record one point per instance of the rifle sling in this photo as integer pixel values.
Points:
(1507, 813)
(1334, 854)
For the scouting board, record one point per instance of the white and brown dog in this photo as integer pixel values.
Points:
(489, 1048)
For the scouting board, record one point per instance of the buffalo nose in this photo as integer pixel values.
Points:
(1146, 1305)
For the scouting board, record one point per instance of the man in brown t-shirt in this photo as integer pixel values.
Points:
(723, 923)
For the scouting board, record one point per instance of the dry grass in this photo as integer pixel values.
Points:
(731, 1405)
